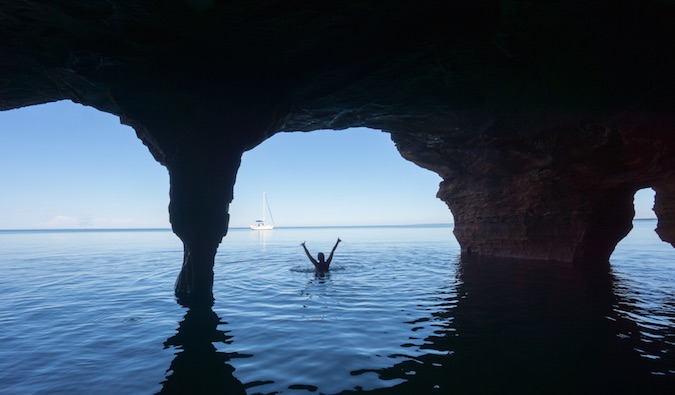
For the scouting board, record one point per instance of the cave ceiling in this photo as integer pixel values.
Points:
(394, 65)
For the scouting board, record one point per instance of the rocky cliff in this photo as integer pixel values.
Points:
(542, 117)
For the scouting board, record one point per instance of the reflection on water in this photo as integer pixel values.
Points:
(504, 326)
(198, 367)
(540, 328)
(261, 237)
(399, 313)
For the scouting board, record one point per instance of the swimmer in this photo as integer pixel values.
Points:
(321, 265)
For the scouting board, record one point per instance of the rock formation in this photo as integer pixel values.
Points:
(542, 117)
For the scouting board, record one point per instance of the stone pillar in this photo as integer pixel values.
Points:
(538, 216)
(565, 194)
(664, 207)
(201, 191)
(609, 220)
(201, 148)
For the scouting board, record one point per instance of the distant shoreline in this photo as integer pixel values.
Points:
(76, 230)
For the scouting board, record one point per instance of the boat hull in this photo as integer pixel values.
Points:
(262, 227)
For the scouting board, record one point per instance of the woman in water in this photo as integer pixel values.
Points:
(321, 266)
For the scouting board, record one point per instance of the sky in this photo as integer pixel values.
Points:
(65, 165)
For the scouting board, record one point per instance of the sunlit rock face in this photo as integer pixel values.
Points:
(542, 117)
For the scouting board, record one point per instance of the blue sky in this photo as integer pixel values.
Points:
(69, 166)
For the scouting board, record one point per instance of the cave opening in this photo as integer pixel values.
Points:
(643, 202)
(641, 275)
(74, 166)
(351, 177)
(71, 166)
(642, 241)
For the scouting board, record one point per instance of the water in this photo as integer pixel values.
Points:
(400, 312)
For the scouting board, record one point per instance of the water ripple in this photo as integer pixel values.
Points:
(95, 313)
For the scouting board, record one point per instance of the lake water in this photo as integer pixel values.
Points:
(93, 312)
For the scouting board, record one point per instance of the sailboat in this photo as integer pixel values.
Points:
(262, 224)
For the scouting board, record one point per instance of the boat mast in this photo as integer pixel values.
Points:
(268, 208)
(263, 206)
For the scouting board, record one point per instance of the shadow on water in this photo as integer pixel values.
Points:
(198, 367)
(529, 327)
(506, 326)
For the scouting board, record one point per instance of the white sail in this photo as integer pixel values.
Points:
(262, 224)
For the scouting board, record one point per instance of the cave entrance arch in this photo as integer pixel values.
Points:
(642, 243)
(335, 178)
(642, 284)
(72, 166)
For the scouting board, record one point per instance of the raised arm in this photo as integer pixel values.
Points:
(316, 264)
(330, 257)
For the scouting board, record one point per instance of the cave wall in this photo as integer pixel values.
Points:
(558, 195)
(542, 117)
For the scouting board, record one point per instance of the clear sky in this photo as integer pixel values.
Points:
(69, 166)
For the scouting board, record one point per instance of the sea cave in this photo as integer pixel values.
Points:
(542, 118)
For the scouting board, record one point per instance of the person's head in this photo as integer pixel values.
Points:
(321, 257)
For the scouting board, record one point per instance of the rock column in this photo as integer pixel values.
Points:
(201, 191)
(664, 207)
(525, 217)
(202, 154)
(562, 192)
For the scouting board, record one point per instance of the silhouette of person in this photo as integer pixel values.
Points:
(321, 266)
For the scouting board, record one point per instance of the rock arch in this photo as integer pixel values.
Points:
(543, 118)
(564, 198)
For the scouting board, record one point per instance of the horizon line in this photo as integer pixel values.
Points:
(233, 227)
(246, 227)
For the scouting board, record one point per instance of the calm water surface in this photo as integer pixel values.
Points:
(400, 312)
